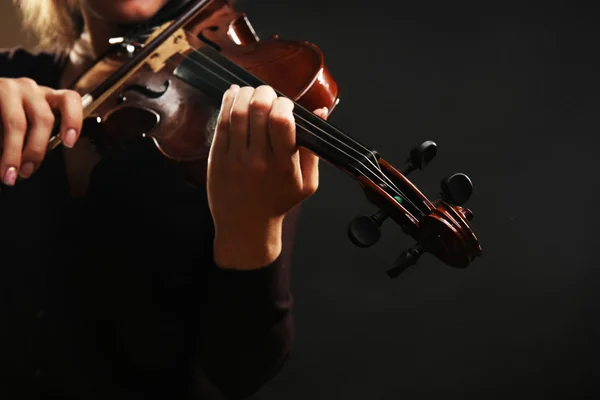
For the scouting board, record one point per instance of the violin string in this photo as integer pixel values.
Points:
(392, 188)
(382, 177)
(377, 166)
(299, 126)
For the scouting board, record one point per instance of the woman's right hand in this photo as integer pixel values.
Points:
(28, 115)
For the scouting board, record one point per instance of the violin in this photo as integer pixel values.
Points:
(165, 83)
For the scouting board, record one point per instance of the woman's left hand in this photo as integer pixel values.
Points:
(256, 175)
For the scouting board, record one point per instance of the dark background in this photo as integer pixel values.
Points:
(509, 92)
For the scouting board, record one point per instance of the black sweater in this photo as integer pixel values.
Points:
(116, 295)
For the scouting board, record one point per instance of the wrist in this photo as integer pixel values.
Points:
(247, 246)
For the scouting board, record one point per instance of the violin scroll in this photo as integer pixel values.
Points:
(364, 231)
(440, 227)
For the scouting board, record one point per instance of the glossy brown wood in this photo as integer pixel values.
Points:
(400, 214)
(449, 236)
(219, 19)
(390, 169)
(181, 120)
(445, 228)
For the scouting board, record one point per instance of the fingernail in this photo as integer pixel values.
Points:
(10, 176)
(234, 88)
(27, 169)
(69, 139)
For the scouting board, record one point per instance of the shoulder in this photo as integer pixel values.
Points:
(43, 67)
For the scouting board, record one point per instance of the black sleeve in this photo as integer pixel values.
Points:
(44, 68)
(249, 330)
(246, 316)
(239, 323)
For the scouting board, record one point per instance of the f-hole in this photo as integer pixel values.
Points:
(144, 91)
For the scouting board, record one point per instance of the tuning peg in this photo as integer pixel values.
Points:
(364, 231)
(406, 259)
(456, 189)
(419, 157)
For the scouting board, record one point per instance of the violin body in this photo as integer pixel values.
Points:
(166, 84)
(179, 119)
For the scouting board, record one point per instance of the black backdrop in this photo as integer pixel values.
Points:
(509, 91)
(510, 94)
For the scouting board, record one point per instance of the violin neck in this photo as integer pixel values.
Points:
(213, 74)
(331, 144)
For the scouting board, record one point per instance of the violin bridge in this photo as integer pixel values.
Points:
(176, 44)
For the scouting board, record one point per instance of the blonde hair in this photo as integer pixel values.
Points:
(55, 24)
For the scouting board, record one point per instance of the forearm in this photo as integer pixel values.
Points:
(248, 249)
